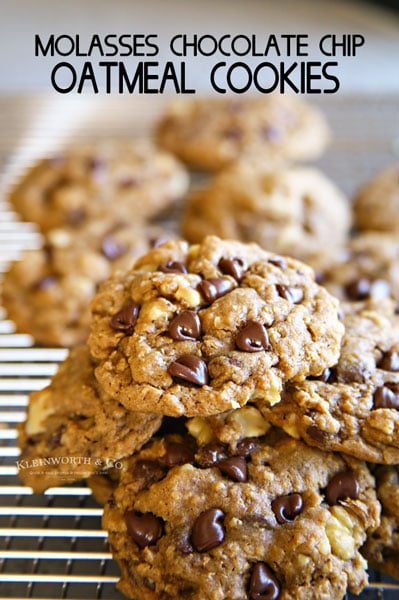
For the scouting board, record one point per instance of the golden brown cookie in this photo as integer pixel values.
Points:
(196, 330)
(376, 204)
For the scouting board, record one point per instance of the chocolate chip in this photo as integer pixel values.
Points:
(46, 283)
(148, 471)
(252, 338)
(384, 397)
(359, 289)
(185, 326)
(145, 529)
(128, 182)
(389, 361)
(263, 583)
(325, 376)
(75, 216)
(286, 508)
(190, 368)
(271, 133)
(234, 133)
(54, 439)
(291, 293)
(125, 319)
(210, 454)
(172, 266)
(235, 267)
(316, 434)
(208, 531)
(342, 486)
(278, 261)
(111, 248)
(247, 446)
(235, 467)
(214, 288)
(172, 425)
(96, 164)
(178, 454)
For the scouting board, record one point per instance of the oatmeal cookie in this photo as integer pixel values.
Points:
(353, 407)
(280, 521)
(73, 429)
(295, 211)
(123, 180)
(210, 133)
(202, 329)
(376, 204)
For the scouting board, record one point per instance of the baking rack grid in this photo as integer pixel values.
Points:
(52, 545)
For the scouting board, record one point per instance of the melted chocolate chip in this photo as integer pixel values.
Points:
(46, 283)
(325, 376)
(96, 164)
(111, 248)
(208, 531)
(235, 267)
(214, 288)
(185, 326)
(359, 289)
(278, 261)
(172, 425)
(178, 454)
(76, 216)
(172, 266)
(252, 338)
(342, 486)
(286, 508)
(54, 439)
(148, 471)
(263, 583)
(210, 454)
(191, 369)
(125, 319)
(384, 397)
(247, 446)
(145, 529)
(234, 467)
(316, 434)
(291, 293)
(389, 361)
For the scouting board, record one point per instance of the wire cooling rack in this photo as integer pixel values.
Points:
(52, 545)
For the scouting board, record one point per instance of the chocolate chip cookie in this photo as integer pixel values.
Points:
(294, 211)
(382, 546)
(281, 521)
(376, 204)
(73, 429)
(210, 133)
(47, 293)
(123, 180)
(367, 268)
(352, 407)
(197, 330)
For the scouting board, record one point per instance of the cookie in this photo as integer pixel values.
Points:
(211, 133)
(353, 407)
(367, 268)
(382, 545)
(376, 204)
(73, 429)
(275, 521)
(197, 330)
(47, 293)
(93, 179)
(295, 211)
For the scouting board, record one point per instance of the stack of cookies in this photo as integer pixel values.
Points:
(239, 423)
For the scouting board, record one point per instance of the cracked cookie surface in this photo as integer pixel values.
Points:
(210, 133)
(122, 180)
(296, 211)
(73, 429)
(202, 329)
(281, 521)
(353, 407)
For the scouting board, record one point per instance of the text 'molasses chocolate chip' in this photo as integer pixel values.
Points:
(172, 266)
(342, 486)
(252, 337)
(384, 397)
(191, 369)
(235, 267)
(145, 529)
(263, 583)
(125, 319)
(286, 508)
(185, 326)
(214, 288)
(208, 530)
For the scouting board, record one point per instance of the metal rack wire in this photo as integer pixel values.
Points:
(52, 545)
